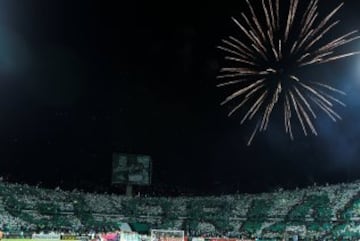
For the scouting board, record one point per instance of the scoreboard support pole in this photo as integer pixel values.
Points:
(129, 190)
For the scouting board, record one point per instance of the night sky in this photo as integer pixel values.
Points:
(82, 79)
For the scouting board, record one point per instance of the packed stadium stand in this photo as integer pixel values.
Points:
(331, 211)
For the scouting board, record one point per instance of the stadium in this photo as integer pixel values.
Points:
(315, 213)
(179, 120)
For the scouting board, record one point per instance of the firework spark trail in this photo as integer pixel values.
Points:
(243, 29)
(247, 97)
(254, 91)
(291, 16)
(285, 117)
(313, 91)
(239, 50)
(244, 71)
(277, 6)
(242, 91)
(329, 87)
(276, 42)
(272, 14)
(267, 17)
(235, 72)
(287, 28)
(280, 50)
(294, 78)
(293, 47)
(309, 24)
(288, 116)
(236, 53)
(303, 57)
(255, 19)
(247, 51)
(298, 112)
(293, 12)
(259, 51)
(321, 35)
(308, 106)
(304, 112)
(335, 43)
(253, 108)
(231, 75)
(315, 59)
(306, 28)
(238, 107)
(273, 46)
(310, 19)
(350, 40)
(270, 107)
(308, 9)
(257, 107)
(253, 135)
(255, 43)
(232, 82)
(303, 41)
(252, 28)
(332, 114)
(332, 98)
(338, 57)
(259, 44)
(327, 18)
(241, 60)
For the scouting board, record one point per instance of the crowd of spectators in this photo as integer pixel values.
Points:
(318, 211)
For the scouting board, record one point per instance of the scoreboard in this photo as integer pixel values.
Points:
(131, 169)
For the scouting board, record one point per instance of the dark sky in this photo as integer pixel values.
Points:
(81, 79)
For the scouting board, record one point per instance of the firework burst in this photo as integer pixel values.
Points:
(268, 58)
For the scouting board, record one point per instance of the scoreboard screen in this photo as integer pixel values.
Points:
(131, 169)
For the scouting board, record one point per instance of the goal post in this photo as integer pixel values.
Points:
(167, 235)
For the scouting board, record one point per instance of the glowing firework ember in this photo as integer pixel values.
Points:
(270, 55)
